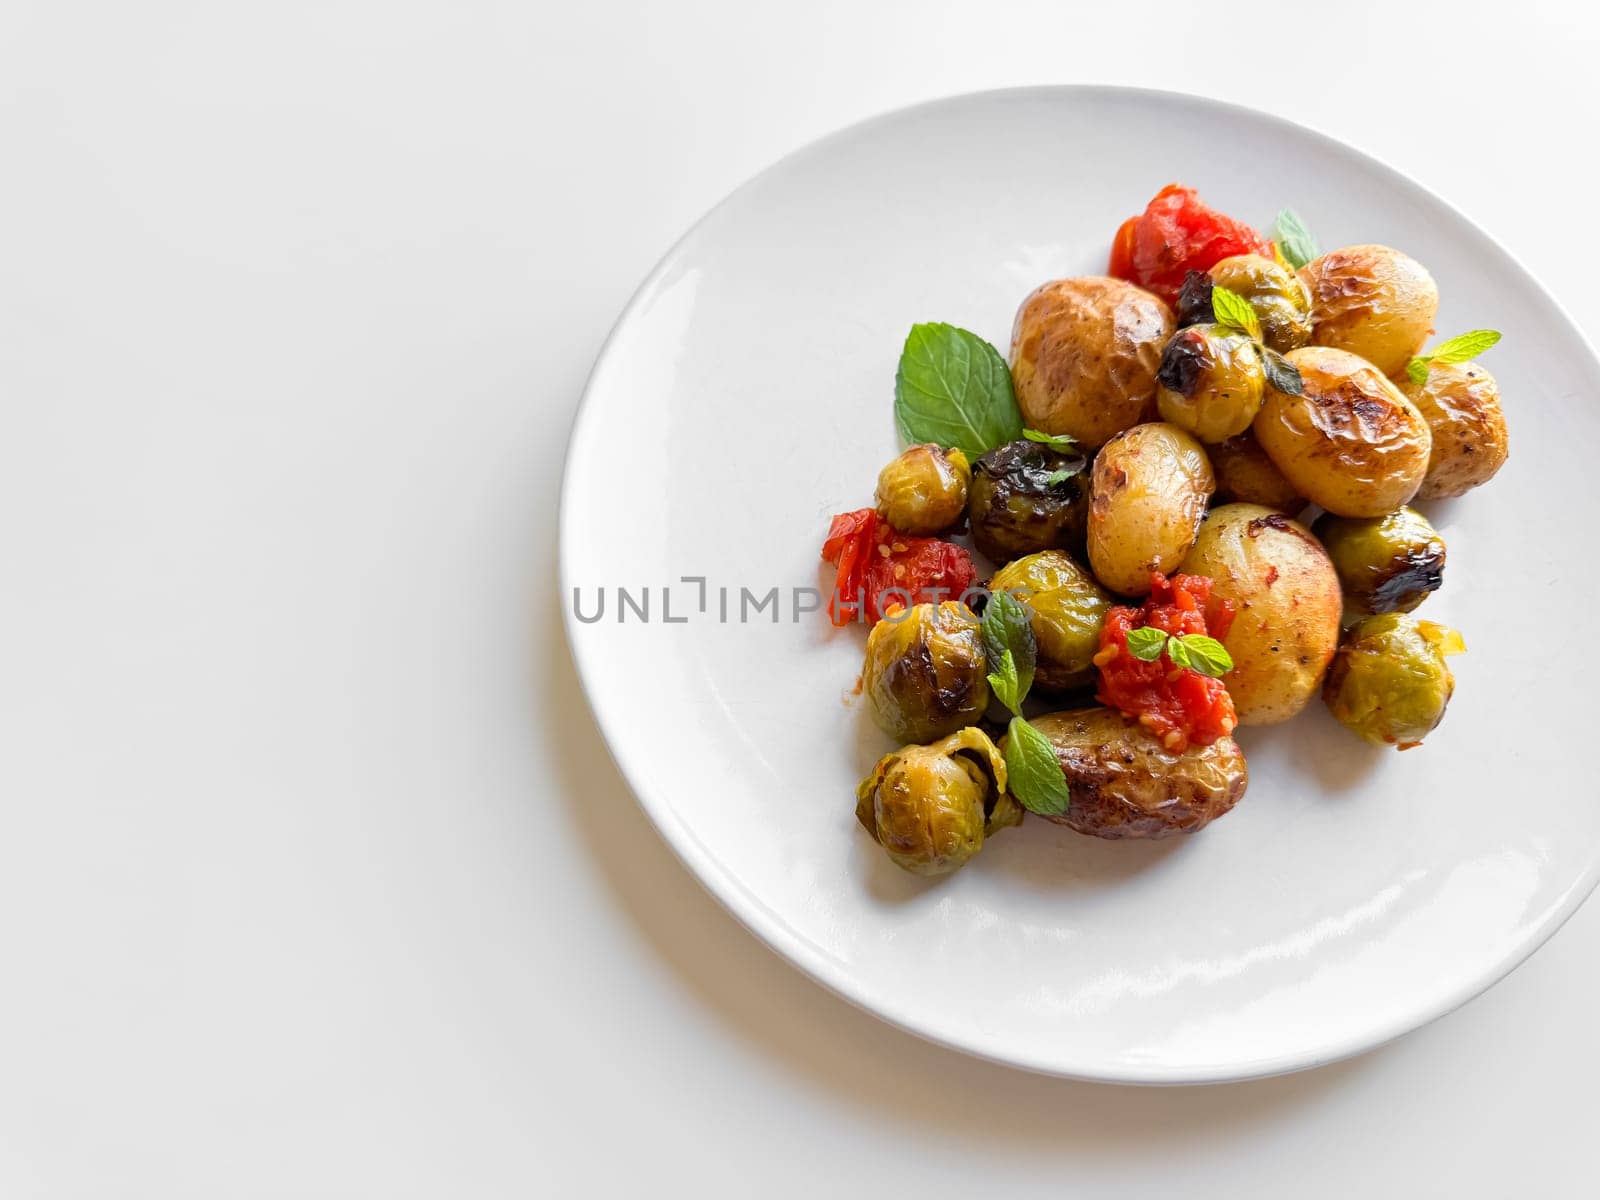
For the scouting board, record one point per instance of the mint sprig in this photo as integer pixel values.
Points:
(1464, 347)
(1060, 442)
(953, 388)
(1234, 311)
(1297, 244)
(1196, 651)
(1033, 774)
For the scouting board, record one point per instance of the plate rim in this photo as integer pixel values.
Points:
(767, 927)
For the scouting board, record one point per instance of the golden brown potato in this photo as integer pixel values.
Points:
(1244, 472)
(1147, 496)
(1286, 602)
(1373, 301)
(1350, 441)
(1461, 404)
(1125, 785)
(1084, 354)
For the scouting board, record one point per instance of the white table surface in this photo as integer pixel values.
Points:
(315, 877)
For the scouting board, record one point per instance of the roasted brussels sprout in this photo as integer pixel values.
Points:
(930, 807)
(1066, 608)
(924, 491)
(1124, 784)
(1277, 294)
(1245, 473)
(1373, 301)
(1212, 382)
(1461, 403)
(1385, 564)
(1389, 682)
(1019, 501)
(926, 675)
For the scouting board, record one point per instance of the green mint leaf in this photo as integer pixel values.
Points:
(1204, 654)
(1417, 371)
(1234, 311)
(1464, 346)
(1281, 373)
(1061, 442)
(1033, 773)
(1146, 644)
(1008, 630)
(1178, 653)
(953, 388)
(1004, 683)
(1297, 243)
(1061, 476)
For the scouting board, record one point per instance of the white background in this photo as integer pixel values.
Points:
(315, 877)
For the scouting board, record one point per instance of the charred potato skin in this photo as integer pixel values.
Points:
(1350, 442)
(1147, 496)
(1084, 353)
(1245, 473)
(1461, 404)
(1287, 607)
(1372, 301)
(1125, 785)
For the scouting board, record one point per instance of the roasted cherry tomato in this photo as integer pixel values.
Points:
(881, 568)
(1178, 233)
(1178, 705)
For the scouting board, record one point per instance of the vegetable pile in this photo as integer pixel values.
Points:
(1192, 479)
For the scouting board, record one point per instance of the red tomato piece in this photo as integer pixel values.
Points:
(1178, 233)
(1178, 705)
(881, 568)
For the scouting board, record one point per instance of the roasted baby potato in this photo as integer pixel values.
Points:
(1350, 441)
(1373, 301)
(924, 490)
(1244, 472)
(926, 674)
(1461, 404)
(1211, 382)
(1147, 496)
(1125, 785)
(1018, 503)
(1286, 602)
(1084, 354)
(1385, 564)
(1389, 682)
(931, 807)
(1066, 608)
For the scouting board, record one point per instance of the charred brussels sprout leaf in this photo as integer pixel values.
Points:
(1026, 497)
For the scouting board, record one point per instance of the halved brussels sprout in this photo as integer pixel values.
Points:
(1066, 608)
(1385, 564)
(1026, 497)
(924, 490)
(1212, 382)
(930, 807)
(925, 674)
(1389, 682)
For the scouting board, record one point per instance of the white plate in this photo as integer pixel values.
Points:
(745, 396)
